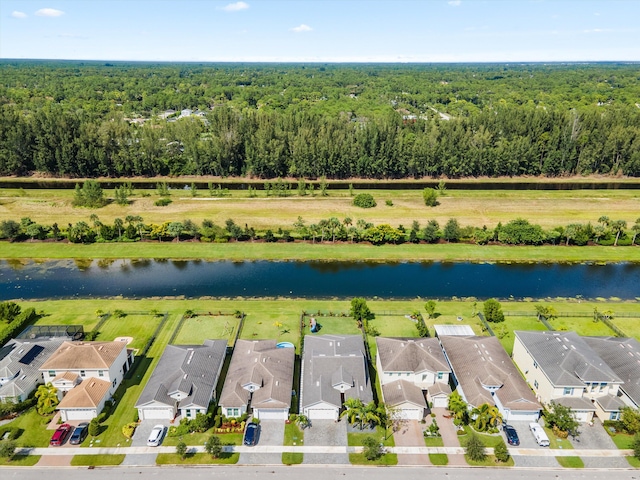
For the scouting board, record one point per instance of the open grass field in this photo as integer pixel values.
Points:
(549, 208)
(195, 330)
(140, 327)
(245, 251)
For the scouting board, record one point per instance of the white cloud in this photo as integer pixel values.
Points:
(235, 7)
(455, 3)
(301, 28)
(17, 14)
(597, 30)
(49, 12)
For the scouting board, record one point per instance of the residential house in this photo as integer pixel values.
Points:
(20, 362)
(562, 367)
(622, 355)
(86, 375)
(259, 380)
(183, 382)
(334, 368)
(484, 373)
(408, 369)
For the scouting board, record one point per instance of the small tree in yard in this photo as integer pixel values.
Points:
(562, 420)
(430, 307)
(7, 449)
(430, 196)
(360, 311)
(372, 448)
(493, 311)
(501, 451)
(636, 446)
(213, 446)
(94, 427)
(181, 449)
(474, 449)
(630, 419)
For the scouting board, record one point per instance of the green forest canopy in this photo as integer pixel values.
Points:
(89, 119)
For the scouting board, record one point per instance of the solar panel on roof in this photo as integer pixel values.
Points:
(31, 354)
(4, 351)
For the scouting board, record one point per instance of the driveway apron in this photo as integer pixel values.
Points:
(410, 435)
(271, 434)
(449, 435)
(330, 433)
(596, 437)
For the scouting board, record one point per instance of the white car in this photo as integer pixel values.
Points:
(156, 435)
(539, 434)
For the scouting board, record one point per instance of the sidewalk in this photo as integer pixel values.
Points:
(542, 452)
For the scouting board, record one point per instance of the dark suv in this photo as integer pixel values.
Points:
(79, 434)
(251, 434)
(512, 435)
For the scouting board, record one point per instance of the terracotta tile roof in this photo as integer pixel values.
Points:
(84, 355)
(88, 394)
(399, 392)
(411, 355)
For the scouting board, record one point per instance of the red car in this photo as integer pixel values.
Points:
(60, 435)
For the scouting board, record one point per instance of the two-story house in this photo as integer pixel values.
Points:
(412, 372)
(86, 375)
(562, 367)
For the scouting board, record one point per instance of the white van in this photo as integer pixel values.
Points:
(539, 434)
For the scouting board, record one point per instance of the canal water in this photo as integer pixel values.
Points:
(198, 278)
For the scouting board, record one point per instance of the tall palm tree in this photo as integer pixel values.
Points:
(354, 411)
(458, 406)
(486, 416)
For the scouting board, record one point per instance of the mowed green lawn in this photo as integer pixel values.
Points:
(139, 327)
(630, 326)
(584, 326)
(196, 329)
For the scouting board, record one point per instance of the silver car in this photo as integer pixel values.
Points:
(156, 435)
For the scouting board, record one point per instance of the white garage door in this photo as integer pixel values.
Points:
(322, 414)
(156, 413)
(511, 415)
(441, 402)
(80, 414)
(271, 414)
(411, 414)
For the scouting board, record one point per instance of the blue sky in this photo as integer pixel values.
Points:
(322, 30)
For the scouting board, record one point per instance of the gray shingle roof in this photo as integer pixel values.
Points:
(324, 355)
(263, 364)
(21, 378)
(400, 391)
(566, 359)
(191, 370)
(411, 355)
(623, 356)
(481, 361)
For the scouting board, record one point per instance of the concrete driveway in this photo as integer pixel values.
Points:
(410, 435)
(527, 441)
(139, 439)
(597, 438)
(326, 432)
(271, 434)
(449, 434)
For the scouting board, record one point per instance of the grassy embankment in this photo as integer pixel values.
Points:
(549, 208)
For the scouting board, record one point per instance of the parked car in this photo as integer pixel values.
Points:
(251, 433)
(539, 434)
(60, 435)
(79, 434)
(156, 436)
(511, 434)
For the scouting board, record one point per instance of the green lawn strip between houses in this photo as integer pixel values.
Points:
(197, 459)
(195, 439)
(200, 327)
(139, 327)
(439, 459)
(246, 251)
(355, 439)
(20, 461)
(570, 462)
(293, 436)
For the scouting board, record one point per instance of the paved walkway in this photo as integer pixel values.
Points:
(449, 435)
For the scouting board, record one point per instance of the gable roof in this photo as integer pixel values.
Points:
(262, 364)
(328, 358)
(480, 362)
(20, 365)
(622, 355)
(191, 370)
(566, 359)
(88, 394)
(411, 355)
(400, 392)
(84, 356)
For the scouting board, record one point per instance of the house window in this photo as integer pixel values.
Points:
(101, 373)
(424, 377)
(535, 364)
(603, 386)
(535, 383)
(233, 412)
(614, 416)
(114, 383)
(440, 375)
(594, 386)
(568, 391)
(52, 373)
(188, 413)
(82, 373)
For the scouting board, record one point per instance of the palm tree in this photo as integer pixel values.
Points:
(636, 231)
(354, 410)
(486, 416)
(47, 396)
(372, 414)
(458, 407)
(618, 226)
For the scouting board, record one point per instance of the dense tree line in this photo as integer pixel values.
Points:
(89, 120)
(515, 232)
